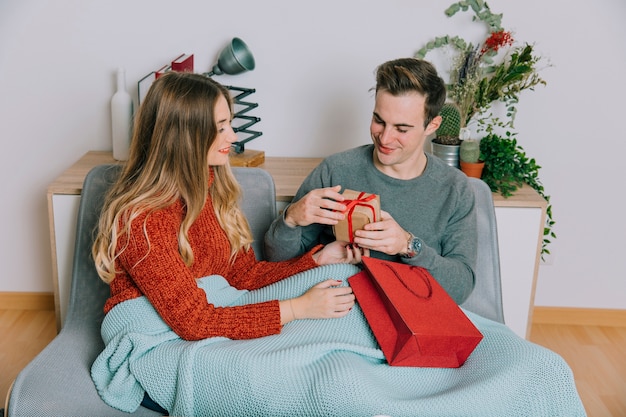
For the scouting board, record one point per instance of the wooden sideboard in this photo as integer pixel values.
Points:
(520, 221)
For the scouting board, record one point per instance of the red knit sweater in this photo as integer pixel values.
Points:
(157, 270)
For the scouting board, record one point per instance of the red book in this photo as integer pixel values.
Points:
(183, 63)
(162, 70)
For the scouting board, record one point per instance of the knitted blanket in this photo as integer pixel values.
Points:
(327, 367)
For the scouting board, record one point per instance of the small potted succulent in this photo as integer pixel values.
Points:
(447, 141)
(469, 154)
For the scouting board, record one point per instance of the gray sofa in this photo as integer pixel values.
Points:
(58, 383)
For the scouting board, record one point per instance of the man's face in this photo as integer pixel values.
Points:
(398, 132)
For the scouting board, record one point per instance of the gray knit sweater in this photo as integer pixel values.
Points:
(437, 207)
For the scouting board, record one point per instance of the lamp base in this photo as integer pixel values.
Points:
(248, 158)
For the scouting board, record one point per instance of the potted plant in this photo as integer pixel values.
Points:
(493, 70)
(507, 167)
(470, 159)
(447, 141)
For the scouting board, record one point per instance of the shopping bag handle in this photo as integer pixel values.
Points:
(423, 276)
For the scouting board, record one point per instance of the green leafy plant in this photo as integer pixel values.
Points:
(507, 168)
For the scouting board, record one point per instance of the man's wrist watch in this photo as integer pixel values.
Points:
(414, 246)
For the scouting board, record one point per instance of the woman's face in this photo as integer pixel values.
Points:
(219, 150)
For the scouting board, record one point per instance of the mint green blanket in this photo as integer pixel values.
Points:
(318, 367)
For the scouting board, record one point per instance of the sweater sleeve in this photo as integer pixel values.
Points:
(248, 273)
(453, 260)
(284, 242)
(157, 269)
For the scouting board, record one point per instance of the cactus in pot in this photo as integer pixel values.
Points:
(450, 128)
(470, 151)
(445, 144)
(471, 163)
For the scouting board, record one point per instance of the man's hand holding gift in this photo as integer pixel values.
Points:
(361, 208)
(322, 205)
(368, 227)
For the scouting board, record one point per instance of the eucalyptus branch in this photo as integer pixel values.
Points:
(440, 42)
(481, 11)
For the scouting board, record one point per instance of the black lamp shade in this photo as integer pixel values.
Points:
(234, 59)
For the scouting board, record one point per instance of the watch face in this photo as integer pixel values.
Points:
(416, 246)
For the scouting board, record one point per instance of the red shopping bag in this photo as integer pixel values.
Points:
(414, 320)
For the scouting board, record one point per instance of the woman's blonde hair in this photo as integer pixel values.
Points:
(168, 161)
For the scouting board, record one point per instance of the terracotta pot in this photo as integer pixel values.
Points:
(472, 169)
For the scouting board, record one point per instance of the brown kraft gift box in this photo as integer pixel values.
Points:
(362, 208)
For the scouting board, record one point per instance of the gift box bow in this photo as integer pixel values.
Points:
(361, 205)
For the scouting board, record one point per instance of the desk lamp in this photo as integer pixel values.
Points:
(235, 59)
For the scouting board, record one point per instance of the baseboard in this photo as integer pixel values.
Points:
(26, 301)
(579, 316)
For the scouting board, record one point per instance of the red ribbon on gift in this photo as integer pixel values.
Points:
(352, 204)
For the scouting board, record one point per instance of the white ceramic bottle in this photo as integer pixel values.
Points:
(121, 118)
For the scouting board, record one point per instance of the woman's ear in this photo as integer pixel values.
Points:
(433, 125)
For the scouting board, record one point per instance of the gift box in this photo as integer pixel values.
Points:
(361, 208)
(414, 320)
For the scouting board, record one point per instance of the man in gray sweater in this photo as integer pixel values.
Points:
(428, 217)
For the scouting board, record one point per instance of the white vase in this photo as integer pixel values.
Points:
(121, 118)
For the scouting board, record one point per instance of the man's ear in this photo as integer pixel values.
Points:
(433, 125)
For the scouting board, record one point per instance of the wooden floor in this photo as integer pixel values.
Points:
(596, 354)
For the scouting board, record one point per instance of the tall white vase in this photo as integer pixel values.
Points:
(121, 118)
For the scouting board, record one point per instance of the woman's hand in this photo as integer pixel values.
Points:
(323, 301)
(338, 252)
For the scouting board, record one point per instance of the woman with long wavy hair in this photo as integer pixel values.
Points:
(172, 217)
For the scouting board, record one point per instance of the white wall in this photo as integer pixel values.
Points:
(315, 65)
